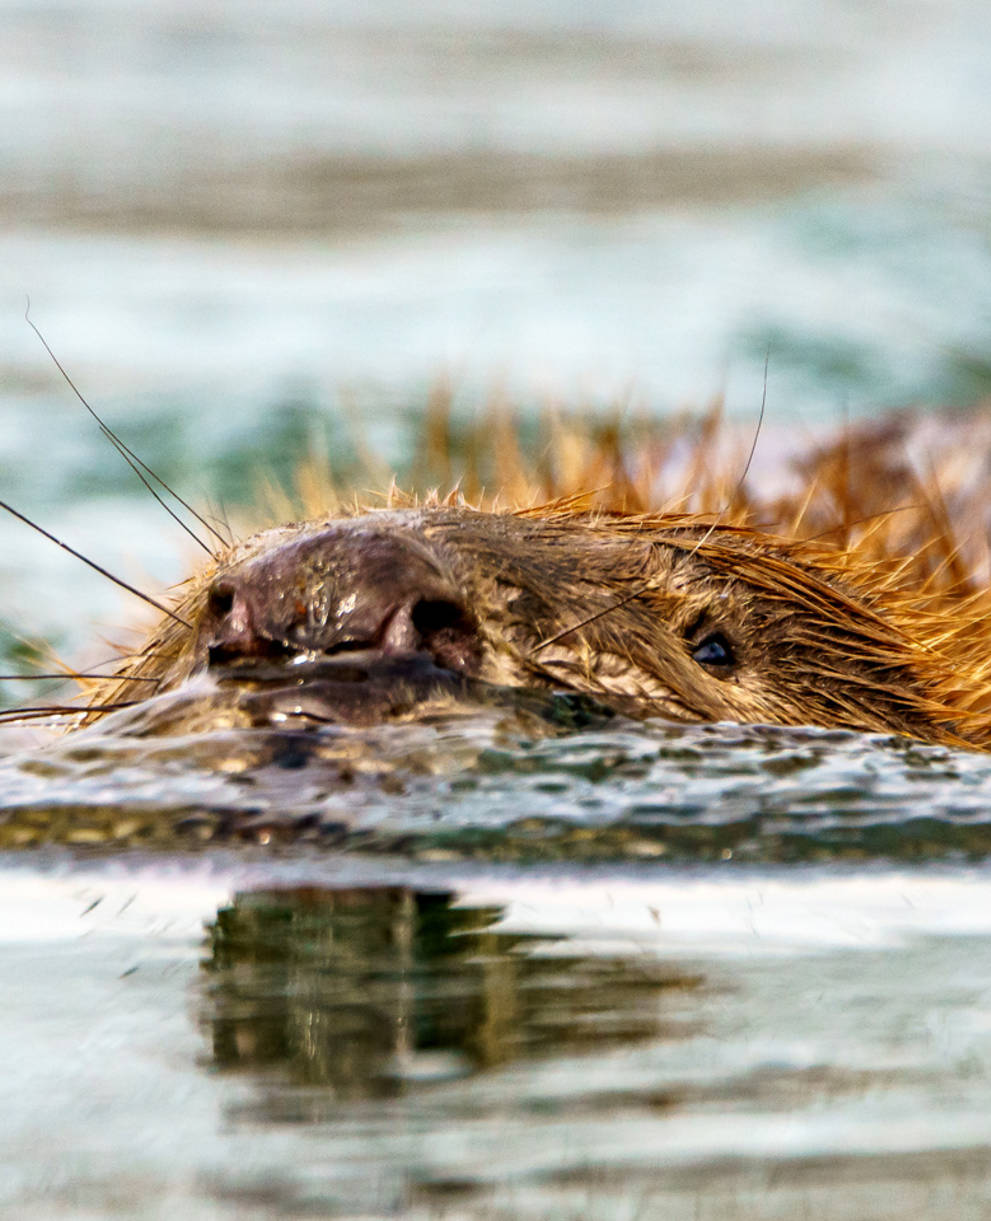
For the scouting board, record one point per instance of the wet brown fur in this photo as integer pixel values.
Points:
(851, 595)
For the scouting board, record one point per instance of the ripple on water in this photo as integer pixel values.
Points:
(479, 786)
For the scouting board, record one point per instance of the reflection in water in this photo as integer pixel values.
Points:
(372, 991)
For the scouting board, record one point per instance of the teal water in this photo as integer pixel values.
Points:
(242, 228)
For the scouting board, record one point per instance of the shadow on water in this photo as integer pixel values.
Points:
(328, 996)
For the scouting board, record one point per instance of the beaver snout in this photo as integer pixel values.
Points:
(346, 590)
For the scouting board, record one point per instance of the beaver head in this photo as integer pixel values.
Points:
(380, 615)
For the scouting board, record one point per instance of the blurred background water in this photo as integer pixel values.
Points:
(234, 219)
(240, 224)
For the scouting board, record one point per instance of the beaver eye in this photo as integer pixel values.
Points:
(714, 650)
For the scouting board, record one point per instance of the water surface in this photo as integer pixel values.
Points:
(237, 1036)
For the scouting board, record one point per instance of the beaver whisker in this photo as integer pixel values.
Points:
(74, 675)
(868, 518)
(35, 712)
(131, 589)
(129, 456)
(646, 587)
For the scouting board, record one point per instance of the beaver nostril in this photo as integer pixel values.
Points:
(444, 629)
(220, 602)
(433, 615)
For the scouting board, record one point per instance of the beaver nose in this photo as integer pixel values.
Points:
(340, 591)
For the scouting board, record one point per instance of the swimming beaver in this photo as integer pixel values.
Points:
(370, 616)
(392, 613)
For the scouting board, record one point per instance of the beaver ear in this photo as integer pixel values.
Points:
(716, 651)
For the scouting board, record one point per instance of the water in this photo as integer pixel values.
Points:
(235, 223)
(605, 971)
(351, 1038)
(457, 970)
(480, 785)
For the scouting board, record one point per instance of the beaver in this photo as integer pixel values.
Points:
(392, 613)
(818, 605)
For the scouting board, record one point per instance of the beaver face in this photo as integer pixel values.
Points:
(381, 615)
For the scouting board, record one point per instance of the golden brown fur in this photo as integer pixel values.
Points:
(846, 595)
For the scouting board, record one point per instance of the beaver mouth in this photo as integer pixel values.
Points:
(354, 686)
